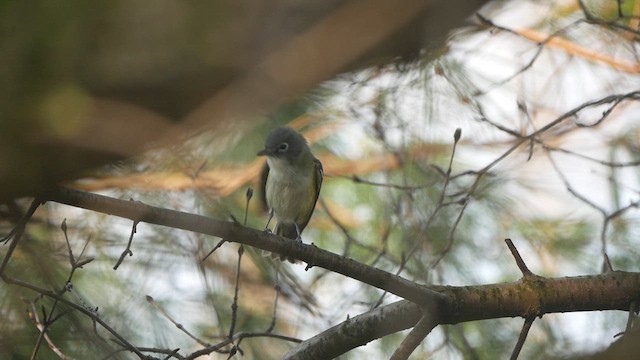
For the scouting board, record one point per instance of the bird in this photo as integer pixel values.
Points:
(290, 181)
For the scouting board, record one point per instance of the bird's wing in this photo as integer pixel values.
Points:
(319, 174)
(264, 173)
(317, 178)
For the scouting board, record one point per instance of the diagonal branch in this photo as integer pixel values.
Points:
(419, 332)
(234, 232)
(523, 336)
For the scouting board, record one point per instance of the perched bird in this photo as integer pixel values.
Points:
(290, 182)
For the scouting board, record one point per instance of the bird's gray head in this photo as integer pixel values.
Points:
(284, 143)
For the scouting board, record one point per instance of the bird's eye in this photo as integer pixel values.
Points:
(283, 147)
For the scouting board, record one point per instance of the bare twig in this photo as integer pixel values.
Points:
(607, 216)
(75, 263)
(456, 138)
(616, 99)
(588, 158)
(345, 231)
(516, 255)
(151, 301)
(91, 313)
(607, 221)
(42, 327)
(632, 312)
(571, 190)
(248, 195)
(173, 353)
(606, 264)
(540, 44)
(238, 337)
(357, 179)
(523, 336)
(424, 326)
(272, 325)
(234, 306)
(218, 245)
(450, 236)
(17, 232)
(127, 251)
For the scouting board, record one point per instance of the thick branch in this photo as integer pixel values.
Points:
(523, 298)
(358, 331)
(234, 232)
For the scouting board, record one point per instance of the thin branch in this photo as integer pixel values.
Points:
(541, 45)
(218, 245)
(450, 236)
(75, 263)
(63, 227)
(607, 217)
(617, 99)
(17, 232)
(632, 311)
(588, 158)
(238, 337)
(274, 317)
(42, 327)
(248, 196)
(173, 353)
(606, 264)
(571, 190)
(127, 251)
(523, 336)
(416, 335)
(357, 179)
(516, 255)
(91, 313)
(151, 301)
(416, 243)
(592, 19)
(344, 230)
(234, 306)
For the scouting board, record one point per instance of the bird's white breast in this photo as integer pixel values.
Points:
(289, 193)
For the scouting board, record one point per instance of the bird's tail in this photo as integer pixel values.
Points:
(286, 230)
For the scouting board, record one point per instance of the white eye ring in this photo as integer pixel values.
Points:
(283, 147)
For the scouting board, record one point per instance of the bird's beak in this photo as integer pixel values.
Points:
(263, 152)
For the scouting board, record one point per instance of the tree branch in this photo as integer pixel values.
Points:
(533, 297)
(234, 232)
